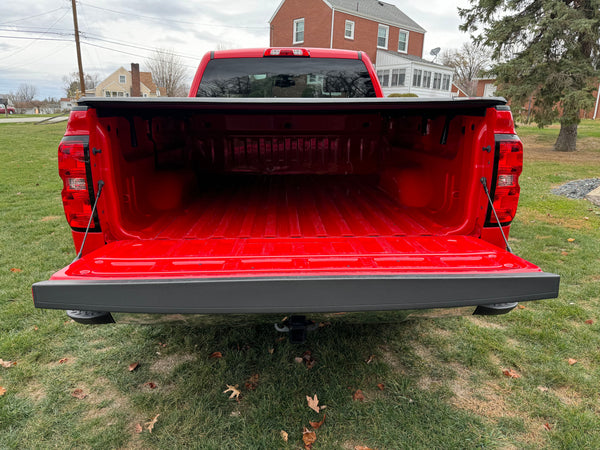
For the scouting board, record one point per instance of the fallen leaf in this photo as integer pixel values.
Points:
(370, 359)
(7, 364)
(298, 359)
(235, 393)
(542, 389)
(216, 355)
(133, 366)
(150, 425)
(362, 447)
(317, 425)
(381, 386)
(150, 384)
(284, 319)
(63, 360)
(271, 350)
(2, 391)
(78, 393)
(284, 436)
(235, 413)
(138, 428)
(309, 361)
(313, 403)
(547, 426)
(564, 253)
(252, 382)
(280, 339)
(570, 240)
(35, 328)
(521, 306)
(511, 373)
(160, 344)
(308, 437)
(358, 395)
(572, 361)
(589, 321)
(324, 324)
(15, 270)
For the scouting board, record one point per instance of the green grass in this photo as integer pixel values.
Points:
(20, 116)
(444, 386)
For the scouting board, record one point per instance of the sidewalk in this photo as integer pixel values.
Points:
(34, 119)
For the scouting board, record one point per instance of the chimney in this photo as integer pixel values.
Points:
(136, 90)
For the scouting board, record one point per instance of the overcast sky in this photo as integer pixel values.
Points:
(37, 44)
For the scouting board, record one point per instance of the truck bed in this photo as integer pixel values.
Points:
(294, 207)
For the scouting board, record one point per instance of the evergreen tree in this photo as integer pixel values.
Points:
(545, 49)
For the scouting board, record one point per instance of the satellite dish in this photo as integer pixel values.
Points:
(435, 51)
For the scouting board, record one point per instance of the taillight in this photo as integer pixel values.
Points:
(72, 155)
(287, 52)
(509, 155)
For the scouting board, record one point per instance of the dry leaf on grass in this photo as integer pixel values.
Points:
(589, 321)
(542, 389)
(235, 393)
(252, 382)
(2, 391)
(309, 361)
(133, 366)
(547, 426)
(298, 359)
(138, 428)
(521, 306)
(572, 361)
(313, 403)
(150, 425)
(15, 270)
(150, 384)
(358, 395)
(308, 437)
(570, 240)
(362, 447)
(511, 373)
(564, 253)
(280, 339)
(284, 436)
(271, 350)
(381, 386)
(78, 393)
(317, 425)
(370, 359)
(160, 344)
(63, 360)
(216, 355)
(7, 364)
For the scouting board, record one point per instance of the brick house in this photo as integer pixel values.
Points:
(393, 41)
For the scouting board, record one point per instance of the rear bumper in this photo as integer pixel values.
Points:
(294, 294)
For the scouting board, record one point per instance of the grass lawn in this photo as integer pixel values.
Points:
(441, 381)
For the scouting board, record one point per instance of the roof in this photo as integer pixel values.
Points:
(414, 58)
(146, 80)
(385, 13)
(375, 9)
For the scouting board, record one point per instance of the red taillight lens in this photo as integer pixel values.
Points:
(506, 194)
(75, 193)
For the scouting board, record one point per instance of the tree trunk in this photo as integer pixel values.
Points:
(567, 138)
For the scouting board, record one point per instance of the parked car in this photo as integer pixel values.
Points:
(11, 110)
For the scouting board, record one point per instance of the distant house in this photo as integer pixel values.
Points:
(392, 40)
(486, 87)
(127, 83)
(66, 104)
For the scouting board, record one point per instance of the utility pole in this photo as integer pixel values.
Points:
(81, 77)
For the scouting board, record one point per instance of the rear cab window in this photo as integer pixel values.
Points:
(286, 77)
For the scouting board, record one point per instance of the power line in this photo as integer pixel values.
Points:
(163, 19)
(128, 53)
(31, 17)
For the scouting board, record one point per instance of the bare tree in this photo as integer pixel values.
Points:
(71, 83)
(469, 62)
(168, 71)
(26, 92)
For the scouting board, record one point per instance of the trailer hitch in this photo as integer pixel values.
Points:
(297, 327)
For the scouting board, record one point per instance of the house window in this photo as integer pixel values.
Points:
(145, 95)
(158, 92)
(426, 79)
(384, 77)
(126, 94)
(298, 31)
(446, 83)
(398, 77)
(403, 41)
(437, 80)
(107, 93)
(122, 79)
(417, 73)
(349, 30)
(382, 36)
(489, 90)
(120, 94)
(114, 94)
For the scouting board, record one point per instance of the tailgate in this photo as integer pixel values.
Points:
(262, 275)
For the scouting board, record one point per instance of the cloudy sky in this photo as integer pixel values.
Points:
(37, 44)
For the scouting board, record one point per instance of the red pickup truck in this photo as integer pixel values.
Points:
(285, 184)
